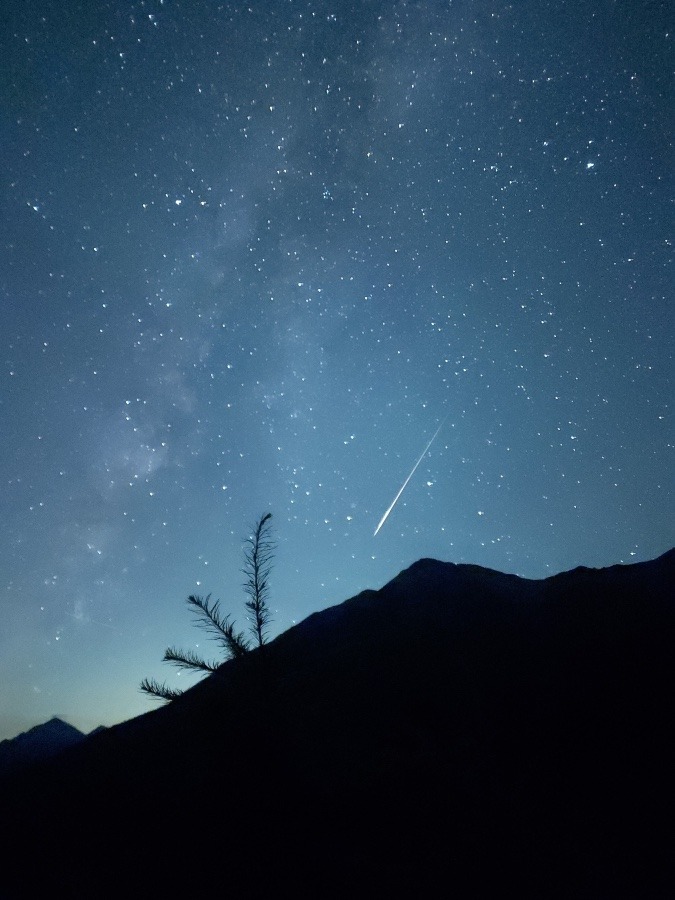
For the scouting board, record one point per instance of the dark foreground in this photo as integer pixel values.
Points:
(459, 732)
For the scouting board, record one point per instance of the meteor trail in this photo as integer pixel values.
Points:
(405, 483)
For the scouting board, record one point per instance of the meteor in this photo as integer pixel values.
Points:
(405, 483)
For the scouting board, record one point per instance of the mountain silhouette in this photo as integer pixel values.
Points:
(37, 744)
(459, 731)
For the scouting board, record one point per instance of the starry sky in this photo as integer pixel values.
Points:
(254, 254)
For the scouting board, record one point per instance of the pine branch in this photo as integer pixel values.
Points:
(188, 659)
(163, 691)
(258, 556)
(220, 626)
(258, 565)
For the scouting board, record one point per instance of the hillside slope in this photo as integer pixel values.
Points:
(459, 729)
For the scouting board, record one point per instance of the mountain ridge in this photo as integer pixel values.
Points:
(456, 723)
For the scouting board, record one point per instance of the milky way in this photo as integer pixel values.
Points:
(248, 252)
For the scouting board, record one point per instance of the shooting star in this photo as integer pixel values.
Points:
(405, 483)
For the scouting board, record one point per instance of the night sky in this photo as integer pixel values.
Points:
(254, 254)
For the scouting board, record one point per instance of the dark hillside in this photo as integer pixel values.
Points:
(459, 730)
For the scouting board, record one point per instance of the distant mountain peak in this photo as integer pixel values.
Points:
(38, 743)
